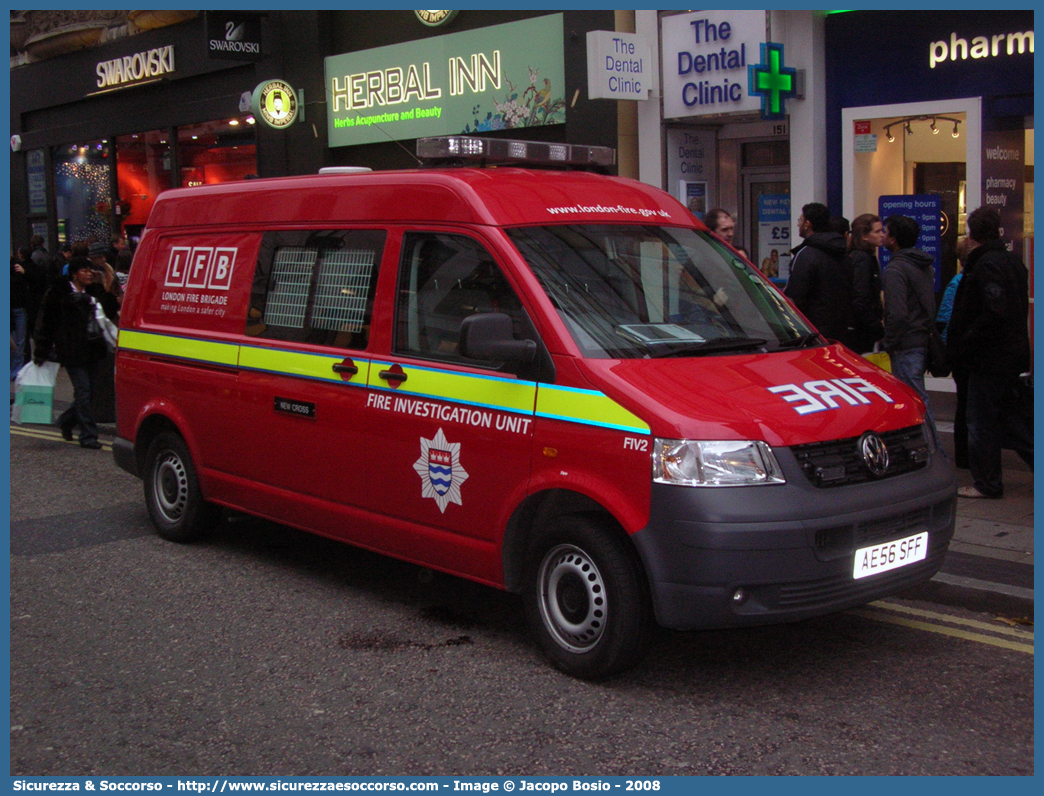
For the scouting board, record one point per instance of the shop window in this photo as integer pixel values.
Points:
(217, 151)
(143, 171)
(316, 287)
(81, 178)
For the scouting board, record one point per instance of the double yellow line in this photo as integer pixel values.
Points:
(44, 432)
(1010, 638)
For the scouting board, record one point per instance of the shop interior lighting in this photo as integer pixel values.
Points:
(906, 124)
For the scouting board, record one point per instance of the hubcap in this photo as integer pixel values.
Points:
(572, 598)
(170, 486)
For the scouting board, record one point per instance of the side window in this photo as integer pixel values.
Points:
(316, 287)
(442, 280)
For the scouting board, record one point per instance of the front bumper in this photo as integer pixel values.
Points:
(790, 547)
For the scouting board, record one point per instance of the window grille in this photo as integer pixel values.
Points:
(288, 289)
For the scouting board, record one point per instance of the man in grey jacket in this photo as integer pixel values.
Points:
(909, 306)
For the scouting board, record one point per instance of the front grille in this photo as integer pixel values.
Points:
(840, 463)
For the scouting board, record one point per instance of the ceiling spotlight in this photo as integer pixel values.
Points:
(891, 138)
(956, 133)
(909, 129)
(934, 129)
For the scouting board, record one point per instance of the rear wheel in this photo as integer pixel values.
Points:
(586, 599)
(172, 491)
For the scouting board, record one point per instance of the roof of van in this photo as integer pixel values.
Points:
(502, 196)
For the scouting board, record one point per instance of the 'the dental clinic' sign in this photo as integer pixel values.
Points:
(705, 60)
(619, 66)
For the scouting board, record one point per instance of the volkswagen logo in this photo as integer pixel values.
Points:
(874, 453)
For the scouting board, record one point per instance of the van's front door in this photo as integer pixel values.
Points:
(451, 438)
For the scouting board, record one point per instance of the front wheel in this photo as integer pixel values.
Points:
(586, 599)
(172, 492)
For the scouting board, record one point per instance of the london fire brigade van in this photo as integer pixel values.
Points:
(551, 382)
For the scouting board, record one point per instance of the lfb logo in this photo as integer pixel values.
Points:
(200, 267)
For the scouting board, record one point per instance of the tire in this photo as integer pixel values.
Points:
(586, 598)
(172, 492)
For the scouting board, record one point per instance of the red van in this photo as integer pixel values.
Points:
(551, 382)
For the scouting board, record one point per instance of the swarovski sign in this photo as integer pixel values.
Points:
(234, 36)
(131, 69)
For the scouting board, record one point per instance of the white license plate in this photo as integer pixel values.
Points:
(890, 555)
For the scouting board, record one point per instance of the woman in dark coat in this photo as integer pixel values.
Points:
(64, 328)
(867, 316)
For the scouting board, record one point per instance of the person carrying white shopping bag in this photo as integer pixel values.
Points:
(77, 329)
(34, 393)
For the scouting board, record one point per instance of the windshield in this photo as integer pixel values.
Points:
(646, 291)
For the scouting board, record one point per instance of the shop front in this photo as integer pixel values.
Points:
(931, 114)
(734, 85)
(100, 132)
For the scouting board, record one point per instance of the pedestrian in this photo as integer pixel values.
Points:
(117, 244)
(820, 283)
(123, 266)
(909, 307)
(840, 225)
(36, 263)
(960, 376)
(19, 315)
(60, 263)
(721, 223)
(989, 338)
(39, 253)
(866, 322)
(103, 395)
(71, 328)
(106, 274)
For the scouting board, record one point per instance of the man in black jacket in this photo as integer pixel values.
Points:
(909, 305)
(65, 327)
(820, 283)
(988, 336)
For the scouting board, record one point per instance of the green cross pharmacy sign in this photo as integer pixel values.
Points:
(772, 81)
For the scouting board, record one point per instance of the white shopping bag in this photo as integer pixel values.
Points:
(34, 393)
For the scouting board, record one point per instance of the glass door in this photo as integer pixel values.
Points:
(767, 226)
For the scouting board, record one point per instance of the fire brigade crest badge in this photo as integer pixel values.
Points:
(440, 471)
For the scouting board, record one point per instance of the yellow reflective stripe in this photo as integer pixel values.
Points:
(586, 406)
(180, 347)
(296, 363)
(491, 392)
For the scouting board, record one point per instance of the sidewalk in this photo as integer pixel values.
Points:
(990, 563)
(992, 548)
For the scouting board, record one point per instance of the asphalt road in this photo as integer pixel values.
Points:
(269, 651)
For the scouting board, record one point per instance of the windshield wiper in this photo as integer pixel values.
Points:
(800, 341)
(711, 347)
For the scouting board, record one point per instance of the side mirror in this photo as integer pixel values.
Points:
(490, 336)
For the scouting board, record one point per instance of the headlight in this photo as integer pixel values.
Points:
(727, 463)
